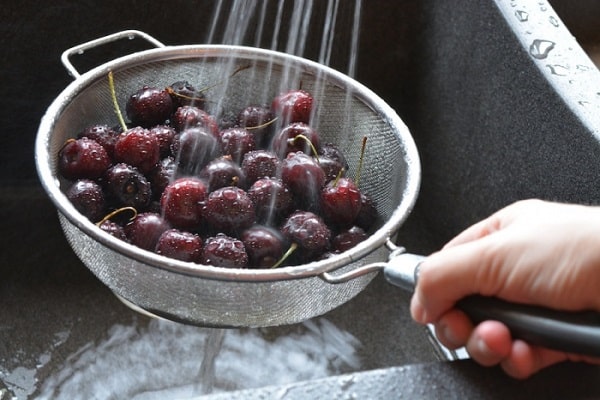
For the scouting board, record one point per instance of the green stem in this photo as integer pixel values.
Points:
(113, 94)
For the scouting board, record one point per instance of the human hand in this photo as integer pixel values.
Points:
(531, 252)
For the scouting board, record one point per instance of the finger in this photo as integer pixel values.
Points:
(525, 360)
(450, 275)
(453, 329)
(490, 343)
(476, 231)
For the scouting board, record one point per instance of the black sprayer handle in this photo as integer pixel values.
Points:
(573, 332)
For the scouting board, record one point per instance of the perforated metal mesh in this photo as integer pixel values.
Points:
(210, 296)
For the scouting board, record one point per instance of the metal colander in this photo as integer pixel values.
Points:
(211, 296)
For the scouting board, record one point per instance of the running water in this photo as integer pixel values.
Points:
(298, 21)
(160, 359)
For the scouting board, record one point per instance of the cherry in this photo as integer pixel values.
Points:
(272, 200)
(83, 158)
(114, 229)
(128, 186)
(222, 172)
(184, 93)
(332, 152)
(332, 168)
(182, 202)
(163, 174)
(265, 246)
(180, 245)
(297, 136)
(194, 148)
(88, 198)
(138, 147)
(293, 106)
(149, 106)
(229, 210)
(145, 230)
(258, 164)
(340, 202)
(308, 231)
(368, 216)
(191, 116)
(165, 135)
(102, 134)
(305, 178)
(258, 120)
(347, 239)
(224, 251)
(236, 142)
(333, 161)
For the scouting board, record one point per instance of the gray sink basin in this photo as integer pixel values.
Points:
(503, 101)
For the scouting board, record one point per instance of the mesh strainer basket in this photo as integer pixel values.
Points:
(220, 297)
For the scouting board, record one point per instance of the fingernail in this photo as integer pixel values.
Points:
(417, 310)
(482, 347)
(450, 338)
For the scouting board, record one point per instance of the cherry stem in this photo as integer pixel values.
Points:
(360, 160)
(118, 211)
(338, 177)
(113, 94)
(238, 69)
(288, 253)
(261, 125)
(312, 147)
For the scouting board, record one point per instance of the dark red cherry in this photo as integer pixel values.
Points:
(193, 148)
(295, 137)
(114, 229)
(272, 200)
(293, 106)
(224, 251)
(308, 231)
(102, 134)
(368, 216)
(164, 173)
(180, 245)
(222, 172)
(165, 135)
(127, 186)
(88, 198)
(145, 230)
(182, 202)
(265, 246)
(229, 210)
(236, 142)
(347, 239)
(191, 116)
(138, 147)
(260, 164)
(149, 106)
(305, 178)
(83, 158)
(340, 202)
(258, 120)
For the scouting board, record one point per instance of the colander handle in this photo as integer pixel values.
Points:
(79, 49)
(573, 332)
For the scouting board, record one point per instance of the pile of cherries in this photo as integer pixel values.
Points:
(257, 189)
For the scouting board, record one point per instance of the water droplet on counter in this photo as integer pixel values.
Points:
(558, 70)
(540, 48)
(553, 21)
(583, 67)
(521, 15)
